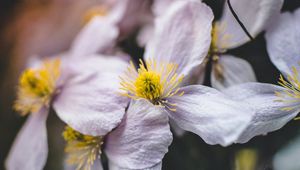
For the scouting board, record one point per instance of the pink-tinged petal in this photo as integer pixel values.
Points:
(118, 10)
(283, 41)
(145, 34)
(160, 6)
(30, 148)
(182, 35)
(90, 101)
(269, 115)
(210, 114)
(129, 14)
(142, 139)
(233, 71)
(196, 76)
(256, 15)
(115, 167)
(97, 36)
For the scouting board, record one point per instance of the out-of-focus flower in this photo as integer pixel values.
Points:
(139, 142)
(274, 105)
(52, 83)
(127, 15)
(228, 70)
(246, 159)
(180, 43)
(157, 9)
(287, 158)
(73, 86)
(48, 28)
(39, 28)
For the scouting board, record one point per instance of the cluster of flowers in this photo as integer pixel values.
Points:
(113, 107)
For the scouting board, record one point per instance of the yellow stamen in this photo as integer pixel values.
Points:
(246, 159)
(218, 46)
(36, 87)
(291, 94)
(153, 81)
(297, 118)
(220, 39)
(82, 150)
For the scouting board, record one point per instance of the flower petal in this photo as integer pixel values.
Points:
(234, 71)
(268, 114)
(30, 148)
(97, 36)
(182, 35)
(115, 167)
(142, 139)
(128, 15)
(210, 114)
(283, 40)
(196, 76)
(97, 165)
(145, 34)
(178, 131)
(160, 6)
(256, 15)
(90, 101)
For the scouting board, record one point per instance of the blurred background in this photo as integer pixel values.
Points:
(46, 27)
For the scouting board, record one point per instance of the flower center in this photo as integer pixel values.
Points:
(82, 150)
(36, 87)
(148, 85)
(291, 94)
(153, 81)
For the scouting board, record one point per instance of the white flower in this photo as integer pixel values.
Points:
(275, 105)
(180, 43)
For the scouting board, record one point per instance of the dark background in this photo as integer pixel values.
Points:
(186, 153)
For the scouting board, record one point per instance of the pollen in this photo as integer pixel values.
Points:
(82, 150)
(152, 81)
(291, 94)
(36, 87)
(148, 85)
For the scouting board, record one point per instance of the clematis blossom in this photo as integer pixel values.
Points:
(42, 84)
(274, 105)
(45, 85)
(140, 141)
(227, 70)
(180, 43)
